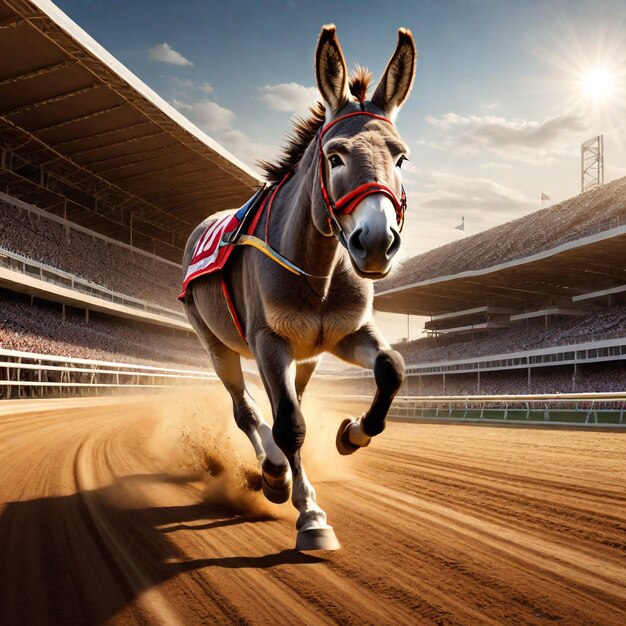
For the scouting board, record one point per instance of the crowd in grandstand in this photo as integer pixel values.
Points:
(557, 379)
(42, 329)
(599, 209)
(592, 377)
(530, 335)
(602, 322)
(88, 257)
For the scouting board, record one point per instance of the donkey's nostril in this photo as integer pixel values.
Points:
(355, 244)
(394, 245)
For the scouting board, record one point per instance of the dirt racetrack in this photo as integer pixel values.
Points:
(144, 511)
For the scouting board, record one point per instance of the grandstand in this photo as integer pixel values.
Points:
(62, 246)
(537, 305)
(92, 235)
(42, 327)
(91, 230)
(85, 139)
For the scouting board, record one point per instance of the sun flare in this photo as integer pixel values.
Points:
(586, 76)
(597, 84)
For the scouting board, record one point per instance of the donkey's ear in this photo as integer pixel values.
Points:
(330, 70)
(395, 85)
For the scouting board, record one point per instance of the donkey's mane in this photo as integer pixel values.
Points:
(302, 133)
(304, 129)
(360, 82)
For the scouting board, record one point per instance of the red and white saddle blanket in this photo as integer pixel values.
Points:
(215, 246)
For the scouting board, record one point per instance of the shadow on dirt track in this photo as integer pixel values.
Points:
(84, 557)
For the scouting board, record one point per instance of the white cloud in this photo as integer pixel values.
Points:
(496, 165)
(166, 54)
(289, 97)
(206, 114)
(515, 139)
(246, 149)
(218, 121)
(437, 200)
(448, 120)
(183, 84)
(185, 89)
(436, 190)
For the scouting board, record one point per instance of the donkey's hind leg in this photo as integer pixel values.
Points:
(227, 365)
(367, 348)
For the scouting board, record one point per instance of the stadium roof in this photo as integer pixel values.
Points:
(552, 255)
(76, 125)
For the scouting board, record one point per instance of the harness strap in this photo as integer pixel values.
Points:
(250, 214)
(231, 308)
(353, 114)
(267, 250)
(234, 241)
(264, 246)
(269, 206)
(346, 204)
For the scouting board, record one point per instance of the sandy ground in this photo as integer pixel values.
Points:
(143, 511)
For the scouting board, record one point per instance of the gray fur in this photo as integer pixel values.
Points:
(290, 320)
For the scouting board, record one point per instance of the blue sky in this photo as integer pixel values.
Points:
(496, 116)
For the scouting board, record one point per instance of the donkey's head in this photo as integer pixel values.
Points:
(361, 154)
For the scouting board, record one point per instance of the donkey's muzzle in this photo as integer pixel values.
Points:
(372, 249)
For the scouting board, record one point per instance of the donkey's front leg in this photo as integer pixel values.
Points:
(367, 348)
(277, 368)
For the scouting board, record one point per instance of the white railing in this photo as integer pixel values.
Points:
(17, 262)
(28, 375)
(570, 409)
(604, 349)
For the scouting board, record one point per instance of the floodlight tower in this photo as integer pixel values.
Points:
(592, 163)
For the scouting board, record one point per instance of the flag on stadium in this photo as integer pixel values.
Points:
(461, 226)
(544, 196)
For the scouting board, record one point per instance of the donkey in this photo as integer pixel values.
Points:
(334, 212)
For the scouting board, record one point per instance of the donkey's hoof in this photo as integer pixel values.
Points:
(276, 482)
(344, 445)
(317, 539)
(277, 494)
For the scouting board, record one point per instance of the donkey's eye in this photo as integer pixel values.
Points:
(401, 160)
(335, 161)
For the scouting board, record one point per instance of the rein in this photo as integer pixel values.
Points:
(346, 204)
(264, 245)
(343, 206)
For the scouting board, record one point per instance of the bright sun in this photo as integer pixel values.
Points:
(597, 84)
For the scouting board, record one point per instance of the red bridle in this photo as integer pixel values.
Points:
(347, 203)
